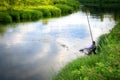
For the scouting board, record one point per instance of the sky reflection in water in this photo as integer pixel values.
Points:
(32, 51)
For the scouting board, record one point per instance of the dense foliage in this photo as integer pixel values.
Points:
(101, 3)
(27, 10)
(103, 66)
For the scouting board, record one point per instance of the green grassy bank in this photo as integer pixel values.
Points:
(30, 10)
(103, 66)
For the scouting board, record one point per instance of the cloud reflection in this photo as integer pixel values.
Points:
(30, 50)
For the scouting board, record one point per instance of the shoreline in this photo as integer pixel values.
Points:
(103, 66)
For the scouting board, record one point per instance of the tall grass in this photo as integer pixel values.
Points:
(103, 66)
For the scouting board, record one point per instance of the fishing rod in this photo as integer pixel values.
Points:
(89, 28)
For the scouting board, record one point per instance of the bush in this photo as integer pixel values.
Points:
(72, 3)
(25, 15)
(55, 12)
(46, 12)
(35, 15)
(65, 9)
(19, 15)
(5, 18)
(15, 16)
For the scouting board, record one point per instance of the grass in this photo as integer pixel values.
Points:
(103, 66)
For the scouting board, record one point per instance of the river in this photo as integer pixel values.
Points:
(37, 50)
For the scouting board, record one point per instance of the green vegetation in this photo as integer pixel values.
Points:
(100, 13)
(103, 66)
(101, 3)
(5, 18)
(30, 10)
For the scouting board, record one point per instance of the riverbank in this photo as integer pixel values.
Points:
(34, 11)
(103, 66)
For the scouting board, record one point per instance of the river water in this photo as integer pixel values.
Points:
(37, 50)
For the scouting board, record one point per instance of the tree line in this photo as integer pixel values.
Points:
(101, 3)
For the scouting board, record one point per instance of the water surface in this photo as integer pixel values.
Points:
(35, 50)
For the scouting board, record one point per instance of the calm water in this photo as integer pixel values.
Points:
(35, 50)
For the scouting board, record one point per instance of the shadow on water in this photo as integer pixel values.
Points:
(2, 30)
(99, 12)
(5, 28)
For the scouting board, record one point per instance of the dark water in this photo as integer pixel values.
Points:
(36, 50)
